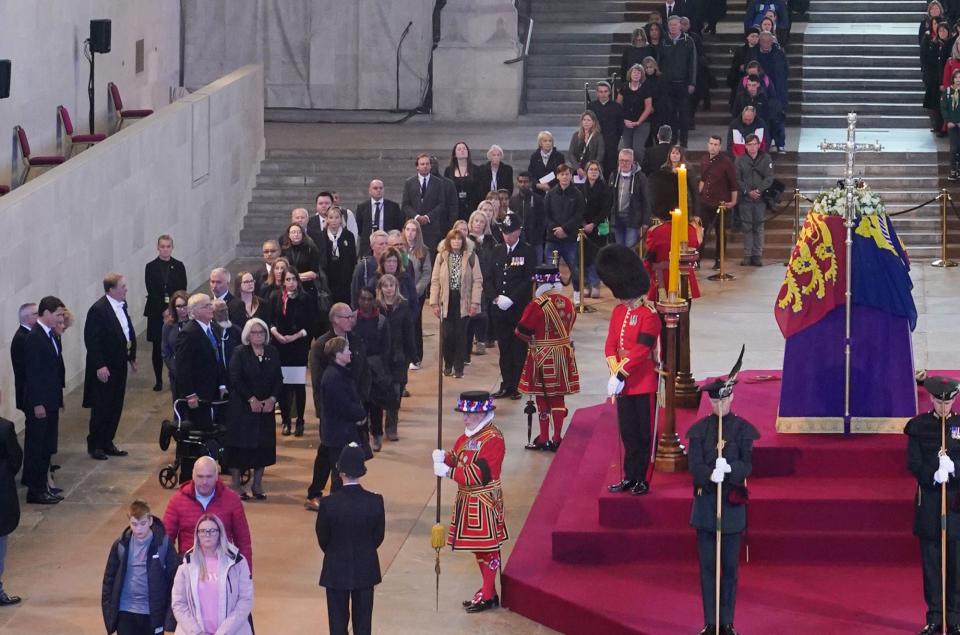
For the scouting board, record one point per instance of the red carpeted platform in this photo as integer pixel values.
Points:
(830, 542)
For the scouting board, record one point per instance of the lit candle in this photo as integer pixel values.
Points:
(676, 230)
(682, 187)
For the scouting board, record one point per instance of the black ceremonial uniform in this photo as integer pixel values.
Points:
(512, 270)
(738, 435)
(923, 448)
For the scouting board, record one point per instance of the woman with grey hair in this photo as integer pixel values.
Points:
(637, 102)
(256, 385)
(544, 162)
(494, 174)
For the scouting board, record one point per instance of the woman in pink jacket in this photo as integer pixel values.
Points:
(213, 591)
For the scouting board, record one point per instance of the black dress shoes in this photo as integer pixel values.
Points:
(483, 605)
(55, 491)
(537, 444)
(477, 597)
(298, 431)
(931, 629)
(98, 455)
(115, 451)
(728, 629)
(553, 446)
(157, 387)
(285, 429)
(515, 395)
(500, 394)
(622, 486)
(43, 499)
(709, 629)
(640, 489)
(7, 600)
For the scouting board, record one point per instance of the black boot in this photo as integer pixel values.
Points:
(298, 431)
(285, 429)
(623, 486)
(483, 605)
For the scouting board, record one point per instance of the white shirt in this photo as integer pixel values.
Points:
(373, 213)
(121, 317)
(352, 226)
(48, 330)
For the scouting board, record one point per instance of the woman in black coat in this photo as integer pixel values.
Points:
(11, 458)
(338, 256)
(933, 54)
(544, 161)
(256, 385)
(598, 198)
(293, 325)
(638, 49)
(341, 408)
(464, 175)
(162, 276)
(664, 185)
(304, 256)
(402, 348)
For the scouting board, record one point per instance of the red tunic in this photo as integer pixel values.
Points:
(478, 523)
(658, 258)
(630, 347)
(551, 366)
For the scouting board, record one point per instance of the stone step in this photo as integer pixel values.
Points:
(878, 6)
(887, 109)
(869, 85)
(906, 46)
(871, 121)
(821, 95)
(870, 171)
(860, 61)
(822, 69)
(853, 38)
(536, 84)
(864, 14)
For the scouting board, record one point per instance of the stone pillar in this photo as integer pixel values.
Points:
(470, 80)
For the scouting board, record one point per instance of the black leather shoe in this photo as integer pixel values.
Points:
(709, 629)
(157, 387)
(56, 492)
(536, 444)
(7, 600)
(500, 394)
(43, 499)
(931, 629)
(640, 489)
(553, 446)
(483, 605)
(166, 434)
(285, 429)
(515, 395)
(728, 629)
(477, 597)
(622, 486)
(98, 455)
(115, 451)
(953, 629)
(298, 431)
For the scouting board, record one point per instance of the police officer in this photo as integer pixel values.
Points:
(931, 469)
(729, 471)
(514, 263)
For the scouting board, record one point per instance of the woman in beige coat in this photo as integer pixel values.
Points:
(456, 282)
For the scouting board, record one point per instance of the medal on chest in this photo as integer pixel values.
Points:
(473, 445)
(955, 433)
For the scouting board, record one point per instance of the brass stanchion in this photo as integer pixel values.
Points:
(796, 220)
(686, 395)
(581, 242)
(722, 233)
(943, 260)
(671, 456)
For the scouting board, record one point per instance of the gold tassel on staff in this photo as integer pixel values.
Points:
(437, 531)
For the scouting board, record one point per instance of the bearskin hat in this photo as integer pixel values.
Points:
(622, 271)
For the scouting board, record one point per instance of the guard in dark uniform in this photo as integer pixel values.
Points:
(514, 263)
(729, 470)
(931, 469)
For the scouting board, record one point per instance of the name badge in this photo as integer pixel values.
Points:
(166, 299)
(955, 432)
(473, 444)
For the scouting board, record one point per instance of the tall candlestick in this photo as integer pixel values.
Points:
(676, 229)
(682, 188)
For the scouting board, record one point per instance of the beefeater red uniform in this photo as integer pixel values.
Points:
(550, 370)
(658, 258)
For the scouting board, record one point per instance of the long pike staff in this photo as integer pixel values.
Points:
(943, 527)
(436, 532)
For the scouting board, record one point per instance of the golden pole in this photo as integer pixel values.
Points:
(719, 522)
(943, 261)
(722, 233)
(581, 255)
(943, 527)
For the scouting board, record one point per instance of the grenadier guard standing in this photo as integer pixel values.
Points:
(727, 469)
(631, 356)
(550, 371)
(924, 459)
(474, 464)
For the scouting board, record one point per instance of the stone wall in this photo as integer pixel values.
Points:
(188, 170)
(44, 40)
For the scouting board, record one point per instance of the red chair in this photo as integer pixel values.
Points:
(76, 139)
(124, 115)
(30, 161)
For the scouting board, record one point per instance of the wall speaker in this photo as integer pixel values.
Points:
(99, 36)
(4, 79)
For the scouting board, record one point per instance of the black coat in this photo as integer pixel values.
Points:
(161, 280)
(44, 376)
(251, 377)
(467, 190)
(106, 346)
(433, 204)
(359, 369)
(299, 315)
(161, 569)
(391, 218)
(538, 170)
(350, 527)
(504, 178)
(563, 208)
(923, 447)
(511, 275)
(597, 199)
(340, 407)
(402, 347)
(198, 370)
(19, 364)
(664, 193)
(530, 209)
(655, 157)
(339, 270)
(11, 458)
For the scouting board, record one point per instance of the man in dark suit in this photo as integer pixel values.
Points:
(672, 7)
(424, 200)
(271, 251)
(200, 374)
(220, 290)
(376, 213)
(11, 457)
(657, 155)
(350, 528)
(111, 344)
(163, 275)
(528, 204)
(42, 399)
(495, 175)
(27, 316)
(513, 266)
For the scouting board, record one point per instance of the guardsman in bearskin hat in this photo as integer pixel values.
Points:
(550, 371)
(727, 469)
(474, 463)
(630, 348)
(933, 450)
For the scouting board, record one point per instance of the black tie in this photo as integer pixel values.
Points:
(53, 339)
(423, 187)
(129, 323)
(376, 218)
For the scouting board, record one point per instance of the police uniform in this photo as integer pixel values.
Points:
(923, 449)
(512, 268)
(550, 370)
(478, 522)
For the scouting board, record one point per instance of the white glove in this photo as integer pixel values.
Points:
(439, 456)
(946, 464)
(722, 465)
(941, 476)
(441, 469)
(717, 476)
(614, 385)
(503, 302)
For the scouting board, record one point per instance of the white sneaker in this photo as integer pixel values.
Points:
(576, 297)
(414, 366)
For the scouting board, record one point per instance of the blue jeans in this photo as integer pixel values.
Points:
(625, 233)
(568, 252)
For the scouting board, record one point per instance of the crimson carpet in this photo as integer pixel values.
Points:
(829, 542)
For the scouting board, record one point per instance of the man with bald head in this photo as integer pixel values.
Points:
(206, 494)
(220, 290)
(377, 212)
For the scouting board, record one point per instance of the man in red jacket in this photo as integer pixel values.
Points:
(206, 493)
